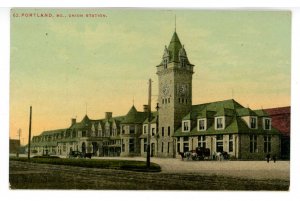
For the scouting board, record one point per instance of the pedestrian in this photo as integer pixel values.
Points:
(268, 157)
(274, 158)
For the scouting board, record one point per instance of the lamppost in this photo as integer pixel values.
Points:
(149, 124)
(157, 129)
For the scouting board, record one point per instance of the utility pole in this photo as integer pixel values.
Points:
(19, 135)
(29, 137)
(149, 125)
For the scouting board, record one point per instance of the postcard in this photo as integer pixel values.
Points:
(150, 99)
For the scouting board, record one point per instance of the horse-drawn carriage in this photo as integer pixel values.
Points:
(200, 153)
(78, 154)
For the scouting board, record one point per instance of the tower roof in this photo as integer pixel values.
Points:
(174, 48)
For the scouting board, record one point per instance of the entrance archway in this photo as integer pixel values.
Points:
(95, 148)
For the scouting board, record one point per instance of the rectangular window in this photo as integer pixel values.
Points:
(131, 145)
(162, 147)
(202, 141)
(131, 130)
(185, 126)
(253, 123)
(253, 143)
(145, 129)
(201, 124)
(153, 131)
(185, 144)
(219, 123)
(267, 124)
(162, 131)
(230, 143)
(219, 143)
(169, 130)
(185, 147)
(178, 146)
(267, 144)
(168, 147)
(145, 145)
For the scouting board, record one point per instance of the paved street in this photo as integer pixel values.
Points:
(244, 169)
(175, 175)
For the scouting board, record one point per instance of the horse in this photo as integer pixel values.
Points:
(187, 155)
(88, 155)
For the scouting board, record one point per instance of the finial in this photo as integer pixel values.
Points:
(85, 108)
(175, 22)
(133, 100)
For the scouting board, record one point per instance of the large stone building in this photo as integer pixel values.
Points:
(176, 126)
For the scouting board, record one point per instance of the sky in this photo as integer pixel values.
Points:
(65, 67)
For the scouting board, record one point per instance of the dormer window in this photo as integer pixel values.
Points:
(267, 123)
(145, 129)
(186, 126)
(201, 124)
(253, 122)
(219, 123)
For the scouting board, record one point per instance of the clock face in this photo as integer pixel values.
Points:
(165, 89)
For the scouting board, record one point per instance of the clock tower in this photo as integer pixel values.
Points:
(175, 93)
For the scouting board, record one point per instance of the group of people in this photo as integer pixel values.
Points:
(269, 157)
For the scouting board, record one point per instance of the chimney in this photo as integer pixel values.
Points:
(73, 121)
(146, 108)
(108, 115)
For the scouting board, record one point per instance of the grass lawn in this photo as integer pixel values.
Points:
(139, 166)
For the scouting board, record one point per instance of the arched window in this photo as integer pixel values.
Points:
(183, 62)
(165, 63)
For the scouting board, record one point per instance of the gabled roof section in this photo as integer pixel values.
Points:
(221, 111)
(261, 113)
(245, 112)
(133, 116)
(153, 119)
(206, 114)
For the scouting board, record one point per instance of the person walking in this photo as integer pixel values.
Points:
(268, 157)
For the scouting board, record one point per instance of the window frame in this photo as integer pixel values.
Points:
(253, 143)
(250, 122)
(267, 143)
(202, 141)
(205, 124)
(264, 123)
(222, 123)
(188, 122)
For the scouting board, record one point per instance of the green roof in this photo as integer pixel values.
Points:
(209, 110)
(229, 108)
(133, 116)
(261, 113)
(245, 112)
(51, 132)
(237, 125)
(153, 119)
